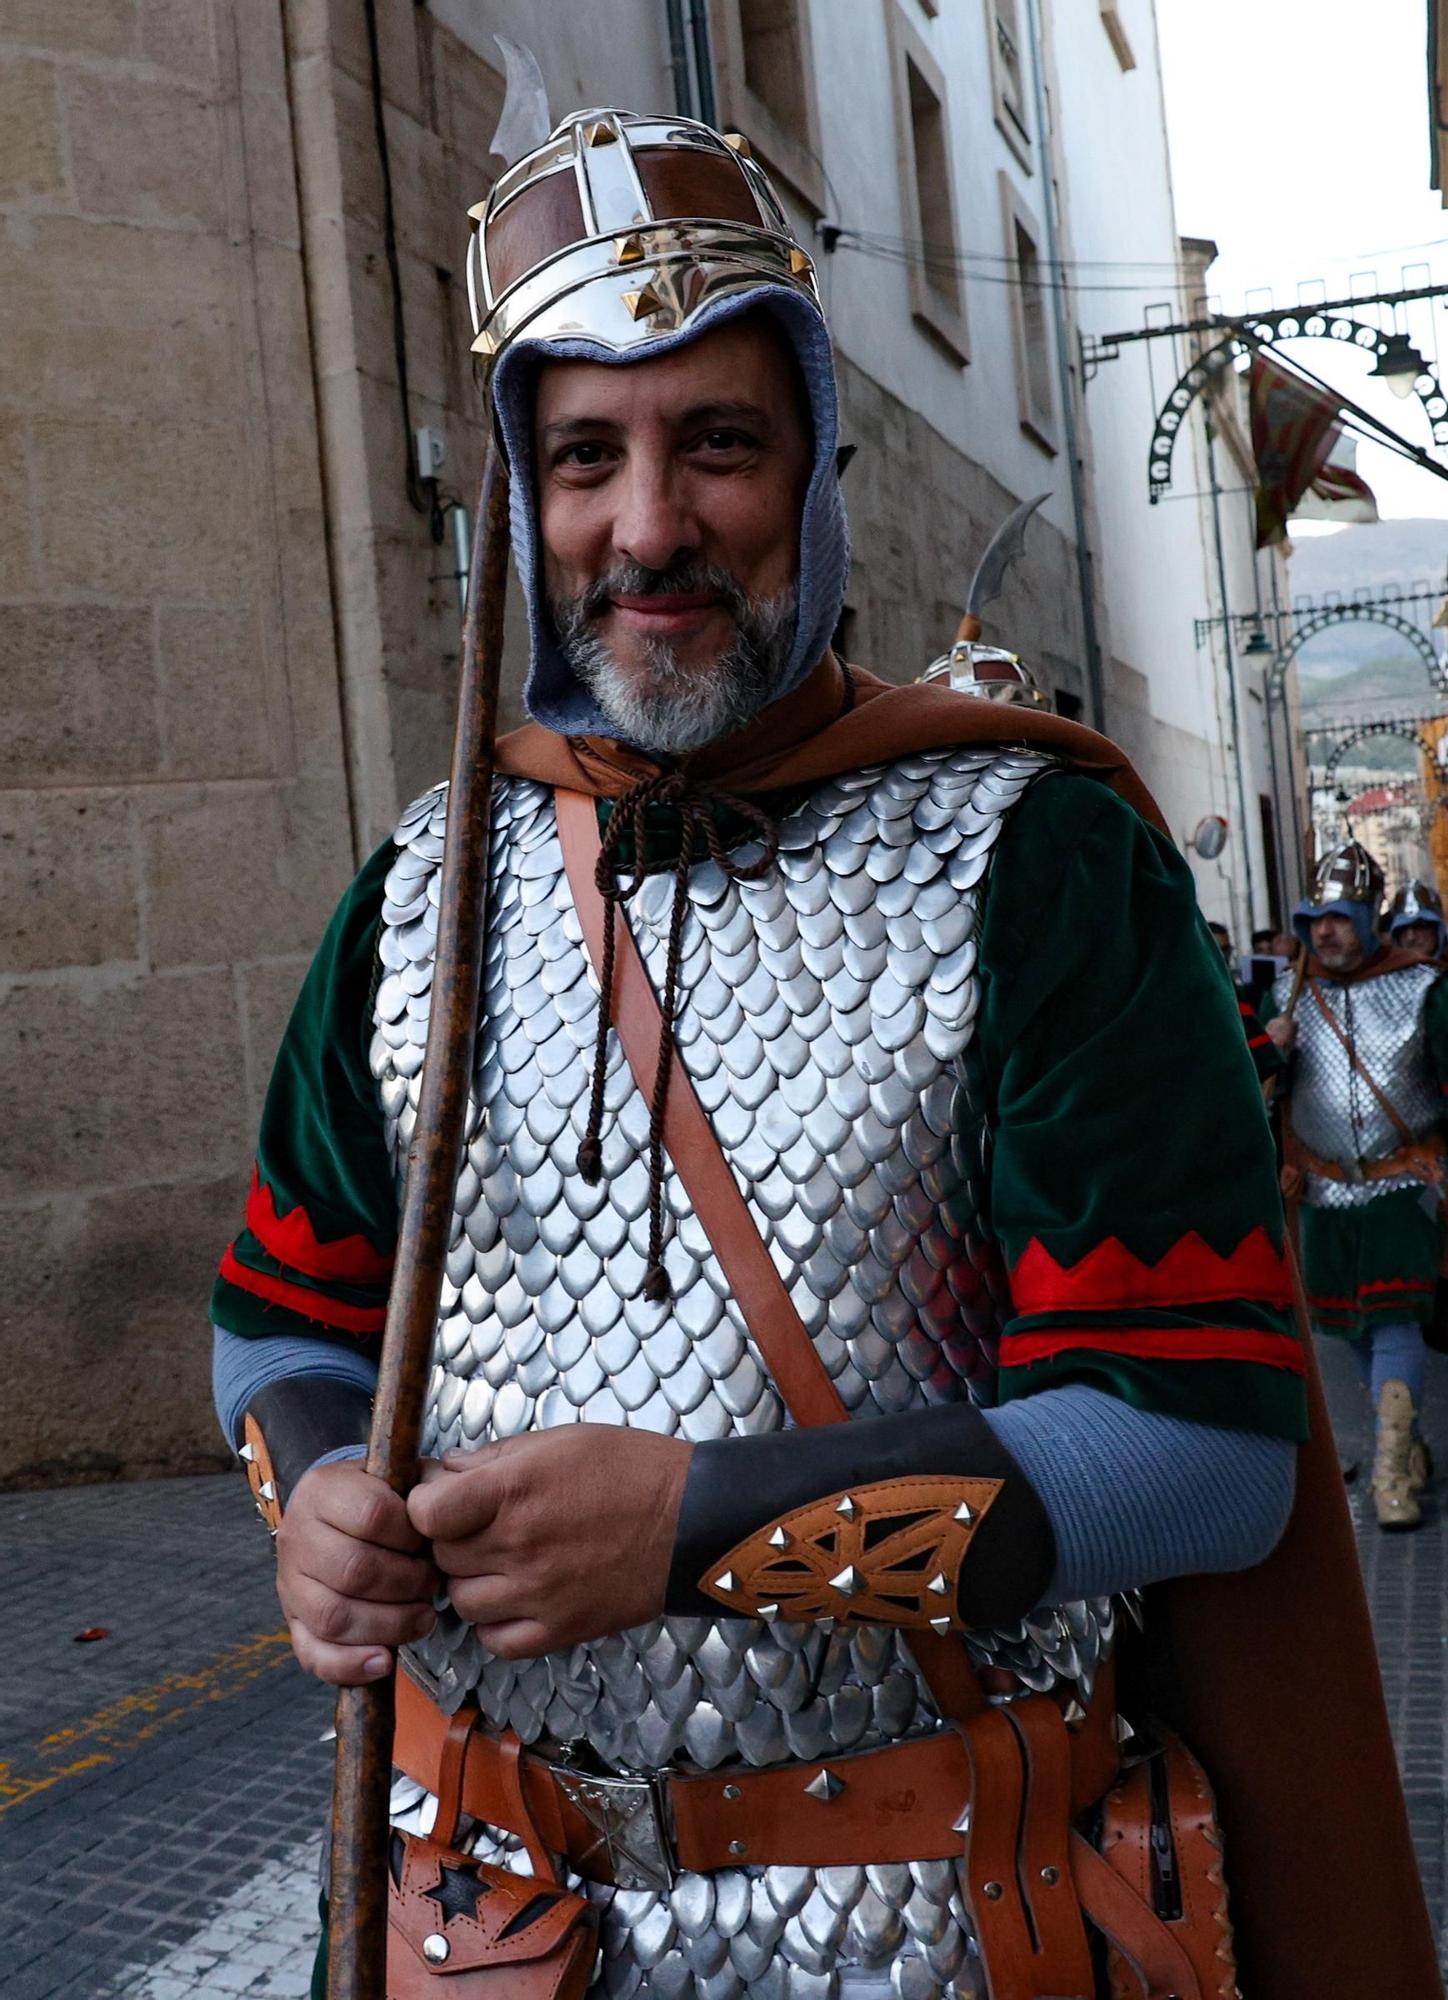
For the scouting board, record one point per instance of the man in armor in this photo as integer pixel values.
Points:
(1364, 1154)
(925, 962)
(1415, 922)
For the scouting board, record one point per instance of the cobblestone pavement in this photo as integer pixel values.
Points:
(162, 1789)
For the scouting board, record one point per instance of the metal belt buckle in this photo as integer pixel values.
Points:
(631, 1816)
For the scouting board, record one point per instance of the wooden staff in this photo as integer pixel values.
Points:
(357, 1955)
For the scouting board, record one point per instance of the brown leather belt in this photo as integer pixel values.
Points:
(902, 1802)
(1424, 1160)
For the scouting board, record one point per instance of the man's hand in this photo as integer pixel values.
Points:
(1282, 1029)
(352, 1575)
(556, 1537)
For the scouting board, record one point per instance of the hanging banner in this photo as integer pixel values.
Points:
(1295, 428)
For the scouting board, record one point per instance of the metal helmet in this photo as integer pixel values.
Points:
(1348, 874)
(1415, 903)
(621, 227)
(987, 673)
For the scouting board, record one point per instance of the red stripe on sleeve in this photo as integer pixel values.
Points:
(311, 1305)
(1201, 1343)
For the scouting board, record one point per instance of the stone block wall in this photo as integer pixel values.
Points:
(173, 811)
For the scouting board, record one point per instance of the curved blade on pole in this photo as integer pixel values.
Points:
(357, 1912)
(1000, 552)
(526, 120)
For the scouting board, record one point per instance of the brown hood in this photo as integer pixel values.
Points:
(1387, 958)
(837, 720)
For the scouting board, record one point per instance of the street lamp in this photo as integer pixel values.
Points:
(1257, 644)
(1399, 364)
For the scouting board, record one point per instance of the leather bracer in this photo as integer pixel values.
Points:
(922, 1520)
(288, 1426)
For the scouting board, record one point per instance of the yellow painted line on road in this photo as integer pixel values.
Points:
(132, 1719)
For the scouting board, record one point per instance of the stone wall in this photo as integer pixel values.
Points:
(173, 817)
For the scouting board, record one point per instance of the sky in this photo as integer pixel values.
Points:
(1299, 143)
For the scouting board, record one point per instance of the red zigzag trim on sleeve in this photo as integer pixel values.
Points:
(1111, 1278)
(291, 1239)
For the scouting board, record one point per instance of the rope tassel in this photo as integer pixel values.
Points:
(698, 825)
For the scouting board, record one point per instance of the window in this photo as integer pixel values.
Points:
(932, 188)
(1068, 705)
(1031, 314)
(1008, 76)
(773, 60)
(927, 200)
(1116, 33)
(765, 75)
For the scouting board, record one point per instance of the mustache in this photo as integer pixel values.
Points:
(687, 577)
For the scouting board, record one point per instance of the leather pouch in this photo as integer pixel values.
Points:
(460, 1929)
(1159, 1832)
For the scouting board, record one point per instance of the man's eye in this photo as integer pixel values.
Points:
(584, 455)
(726, 441)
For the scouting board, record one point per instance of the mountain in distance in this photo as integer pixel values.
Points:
(1374, 556)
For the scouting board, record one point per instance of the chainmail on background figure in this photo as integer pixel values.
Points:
(826, 1020)
(1334, 1113)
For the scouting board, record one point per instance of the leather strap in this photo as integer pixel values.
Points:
(1063, 1954)
(1424, 1157)
(769, 1312)
(1132, 1927)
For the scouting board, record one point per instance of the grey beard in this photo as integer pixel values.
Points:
(671, 709)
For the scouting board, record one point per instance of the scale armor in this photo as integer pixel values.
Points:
(826, 1021)
(1333, 1112)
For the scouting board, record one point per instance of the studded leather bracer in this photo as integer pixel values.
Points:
(921, 1520)
(288, 1426)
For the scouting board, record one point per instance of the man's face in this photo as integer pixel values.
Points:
(1421, 940)
(1222, 940)
(1335, 942)
(669, 498)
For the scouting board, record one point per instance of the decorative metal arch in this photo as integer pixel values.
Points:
(1299, 323)
(1340, 614)
(1408, 731)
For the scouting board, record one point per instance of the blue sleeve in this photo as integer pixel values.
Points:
(239, 1368)
(1134, 1496)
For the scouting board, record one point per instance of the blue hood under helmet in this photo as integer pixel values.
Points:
(552, 694)
(1361, 915)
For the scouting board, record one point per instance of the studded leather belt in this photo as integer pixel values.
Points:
(901, 1802)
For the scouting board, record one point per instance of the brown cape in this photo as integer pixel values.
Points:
(1270, 1674)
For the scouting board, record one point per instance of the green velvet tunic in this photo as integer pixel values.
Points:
(1132, 1186)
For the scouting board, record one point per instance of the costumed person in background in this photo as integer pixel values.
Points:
(812, 1372)
(1365, 1155)
(1267, 1058)
(1415, 922)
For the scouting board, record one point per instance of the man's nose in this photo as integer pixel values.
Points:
(654, 524)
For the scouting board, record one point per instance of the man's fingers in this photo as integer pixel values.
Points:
(339, 1666)
(363, 1570)
(518, 1639)
(363, 1507)
(347, 1621)
(490, 1600)
(456, 1505)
